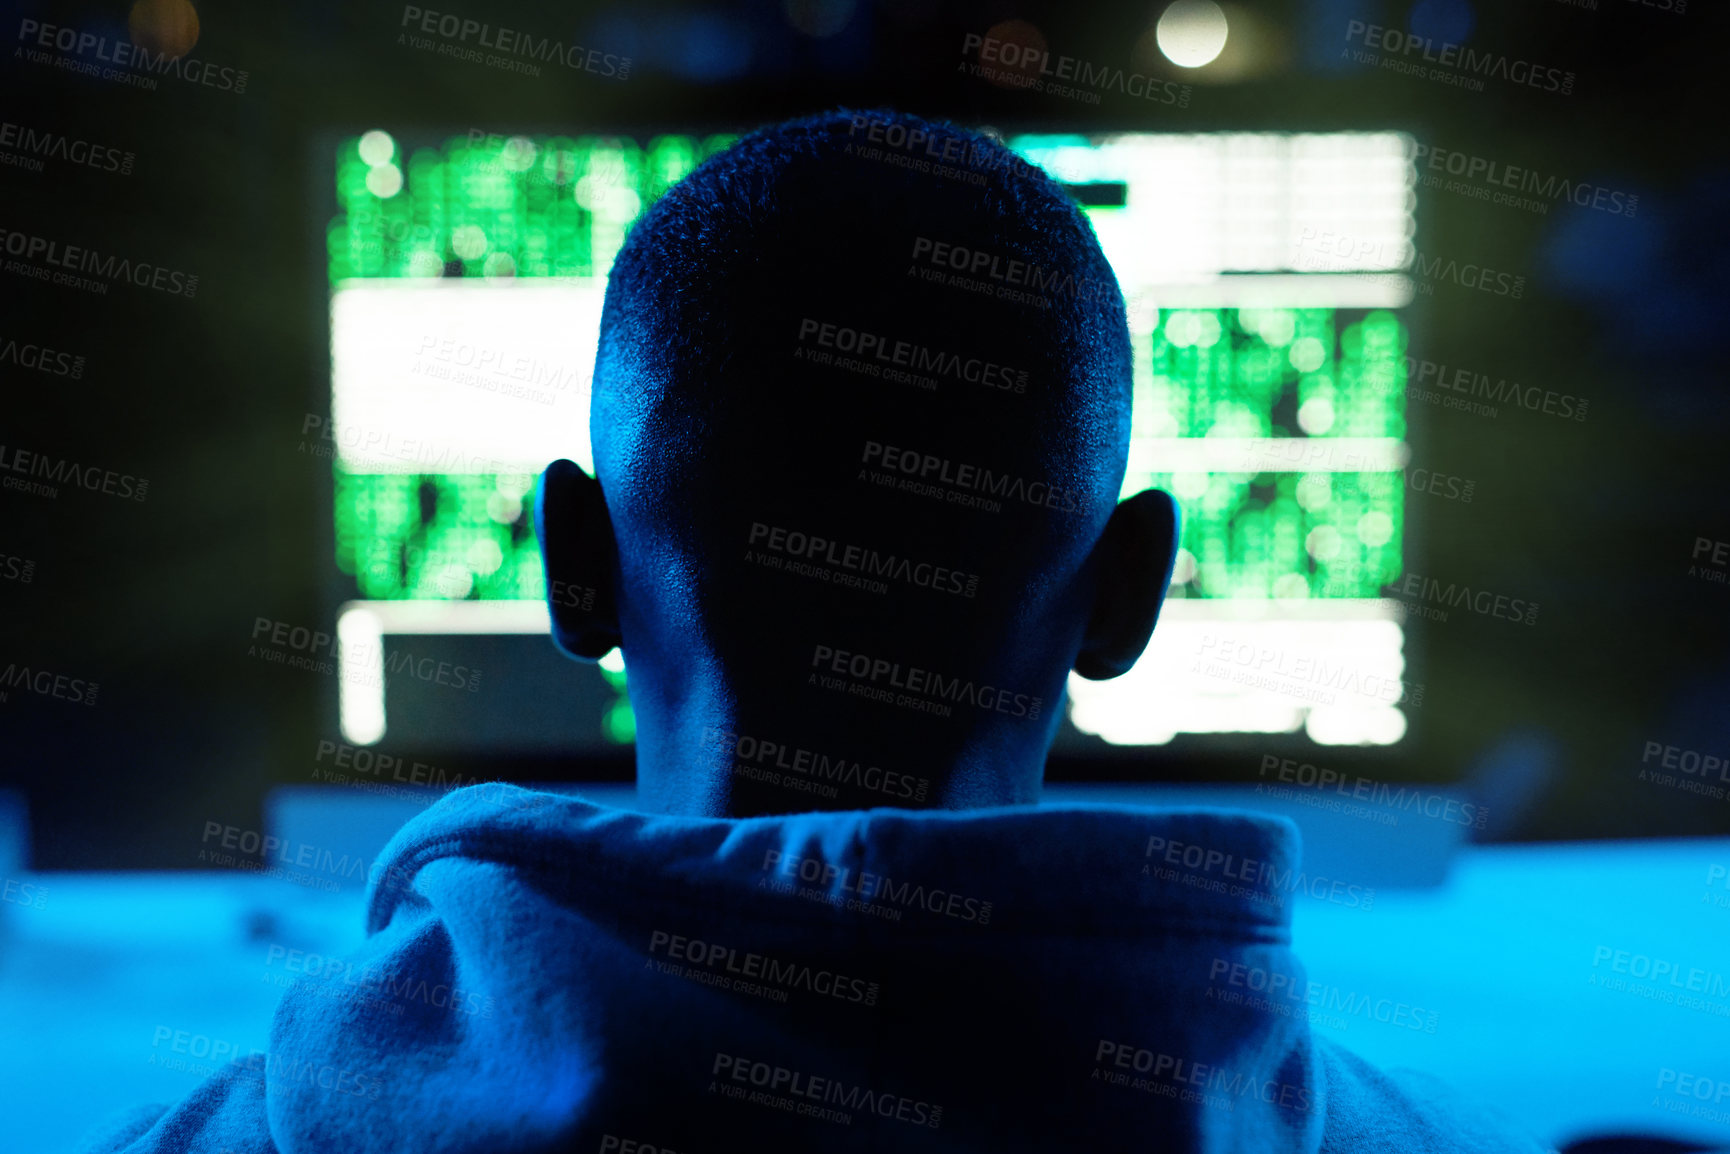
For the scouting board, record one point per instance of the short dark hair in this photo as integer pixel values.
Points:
(880, 221)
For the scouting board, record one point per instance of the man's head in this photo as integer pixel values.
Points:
(860, 421)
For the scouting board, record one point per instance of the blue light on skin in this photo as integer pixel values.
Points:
(713, 645)
(704, 425)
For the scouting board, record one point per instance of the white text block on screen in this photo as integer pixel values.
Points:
(450, 375)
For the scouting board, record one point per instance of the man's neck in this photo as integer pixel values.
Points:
(731, 771)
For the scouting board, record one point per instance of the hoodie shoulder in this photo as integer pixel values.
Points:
(224, 1115)
(118, 1133)
(1402, 1110)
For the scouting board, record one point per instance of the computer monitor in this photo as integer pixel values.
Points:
(1269, 310)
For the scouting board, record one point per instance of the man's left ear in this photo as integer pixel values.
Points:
(1135, 555)
(579, 557)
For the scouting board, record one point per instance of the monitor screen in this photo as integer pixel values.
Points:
(1269, 309)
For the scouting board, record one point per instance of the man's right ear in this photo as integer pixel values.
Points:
(579, 556)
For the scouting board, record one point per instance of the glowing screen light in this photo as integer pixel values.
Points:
(1269, 381)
